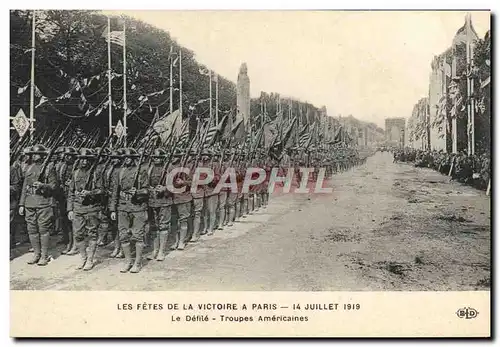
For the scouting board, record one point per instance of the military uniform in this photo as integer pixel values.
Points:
(182, 203)
(211, 199)
(110, 180)
(130, 209)
(84, 206)
(160, 204)
(64, 172)
(15, 192)
(104, 225)
(36, 203)
(223, 196)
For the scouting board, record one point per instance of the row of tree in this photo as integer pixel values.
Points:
(71, 75)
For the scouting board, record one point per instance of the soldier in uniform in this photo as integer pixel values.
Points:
(104, 226)
(160, 204)
(57, 161)
(36, 204)
(223, 194)
(182, 203)
(110, 180)
(197, 202)
(129, 207)
(64, 172)
(15, 192)
(84, 206)
(232, 200)
(211, 199)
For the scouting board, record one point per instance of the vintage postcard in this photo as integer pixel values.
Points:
(250, 173)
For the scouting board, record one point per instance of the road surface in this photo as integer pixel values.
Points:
(386, 226)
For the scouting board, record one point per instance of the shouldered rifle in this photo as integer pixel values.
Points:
(46, 162)
(92, 199)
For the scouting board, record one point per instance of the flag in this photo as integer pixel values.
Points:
(116, 37)
(167, 124)
(238, 132)
(204, 71)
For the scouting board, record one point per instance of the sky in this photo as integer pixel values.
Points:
(371, 64)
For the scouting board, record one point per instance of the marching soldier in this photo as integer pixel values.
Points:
(36, 204)
(223, 194)
(110, 180)
(197, 203)
(84, 206)
(182, 203)
(129, 207)
(104, 225)
(211, 199)
(15, 192)
(160, 204)
(64, 172)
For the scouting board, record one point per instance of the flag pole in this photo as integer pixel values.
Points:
(124, 85)
(110, 102)
(180, 82)
(217, 100)
(32, 84)
(210, 90)
(171, 81)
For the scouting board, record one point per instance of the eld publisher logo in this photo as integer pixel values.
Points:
(467, 313)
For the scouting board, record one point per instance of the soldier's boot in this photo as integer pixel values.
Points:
(35, 243)
(176, 242)
(128, 257)
(162, 245)
(196, 228)
(259, 202)
(100, 238)
(117, 248)
(156, 247)
(89, 265)
(236, 211)
(244, 208)
(44, 249)
(82, 248)
(74, 248)
(231, 215)
(222, 217)
(139, 246)
(182, 235)
(69, 244)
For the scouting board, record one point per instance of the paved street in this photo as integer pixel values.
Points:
(386, 226)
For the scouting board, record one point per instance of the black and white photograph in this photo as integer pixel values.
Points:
(262, 151)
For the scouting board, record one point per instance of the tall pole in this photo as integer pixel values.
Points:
(124, 85)
(171, 81)
(110, 102)
(217, 99)
(180, 82)
(210, 90)
(32, 84)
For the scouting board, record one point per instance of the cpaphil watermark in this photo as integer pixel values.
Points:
(299, 180)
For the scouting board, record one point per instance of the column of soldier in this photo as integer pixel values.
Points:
(94, 197)
(469, 169)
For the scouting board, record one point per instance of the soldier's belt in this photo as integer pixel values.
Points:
(126, 196)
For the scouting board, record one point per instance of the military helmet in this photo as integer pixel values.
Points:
(130, 153)
(116, 153)
(70, 151)
(39, 149)
(159, 152)
(105, 151)
(60, 150)
(26, 150)
(86, 153)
